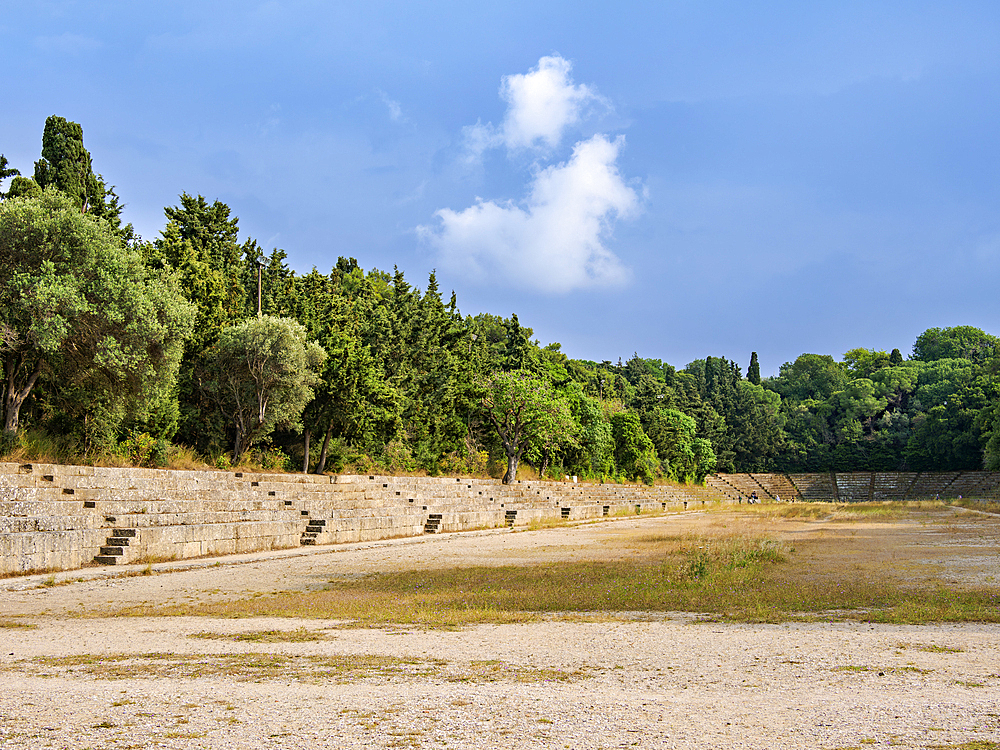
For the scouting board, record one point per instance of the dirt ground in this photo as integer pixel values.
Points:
(78, 677)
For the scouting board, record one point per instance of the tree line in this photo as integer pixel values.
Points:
(114, 344)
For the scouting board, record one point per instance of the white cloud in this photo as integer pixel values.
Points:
(541, 105)
(554, 241)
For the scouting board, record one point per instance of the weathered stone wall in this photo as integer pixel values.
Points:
(861, 486)
(64, 517)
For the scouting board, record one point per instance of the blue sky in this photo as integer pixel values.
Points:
(677, 179)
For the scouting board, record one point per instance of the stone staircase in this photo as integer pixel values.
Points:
(433, 524)
(113, 552)
(314, 528)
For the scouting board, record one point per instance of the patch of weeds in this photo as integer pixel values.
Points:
(971, 684)
(17, 624)
(936, 649)
(498, 671)
(300, 635)
(104, 725)
(974, 745)
(122, 702)
(49, 582)
(310, 669)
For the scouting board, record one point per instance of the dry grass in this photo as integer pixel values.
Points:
(16, 624)
(876, 511)
(273, 667)
(986, 506)
(723, 575)
(300, 635)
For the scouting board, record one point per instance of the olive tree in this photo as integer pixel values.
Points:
(81, 309)
(263, 373)
(525, 410)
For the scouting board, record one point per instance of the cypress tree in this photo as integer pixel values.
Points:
(753, 371)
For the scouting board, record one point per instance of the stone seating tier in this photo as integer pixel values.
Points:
(60, 517)
(817, 487)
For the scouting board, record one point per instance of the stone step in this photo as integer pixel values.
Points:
(105, 560)
(112, 551)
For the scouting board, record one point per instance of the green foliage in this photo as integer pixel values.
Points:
(861, 363)
(960, 342)
(76, 303)
(635, 455)
(272, 459)
(685, 457)
(142, 449)
(753, 371)
(6, 171)
(262, 377)
(593, 454)
(24, 187)
(66, 165)
(524, 409)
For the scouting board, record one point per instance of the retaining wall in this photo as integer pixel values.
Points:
(64, 517)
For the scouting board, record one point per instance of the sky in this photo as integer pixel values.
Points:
(673, 179)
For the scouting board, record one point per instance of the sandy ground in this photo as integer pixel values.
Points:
(93, 681)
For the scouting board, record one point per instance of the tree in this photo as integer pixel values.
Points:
(264, 370)
(23, 187)
(74, 301)
(353, 401)
(6, 171)
(959, 342)
(524, 408)
(634, 451)
(199, 243)
(753, 371)
(861, 363)
(949, 433)
(686, 457)
(593, 453)
(66, 165)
